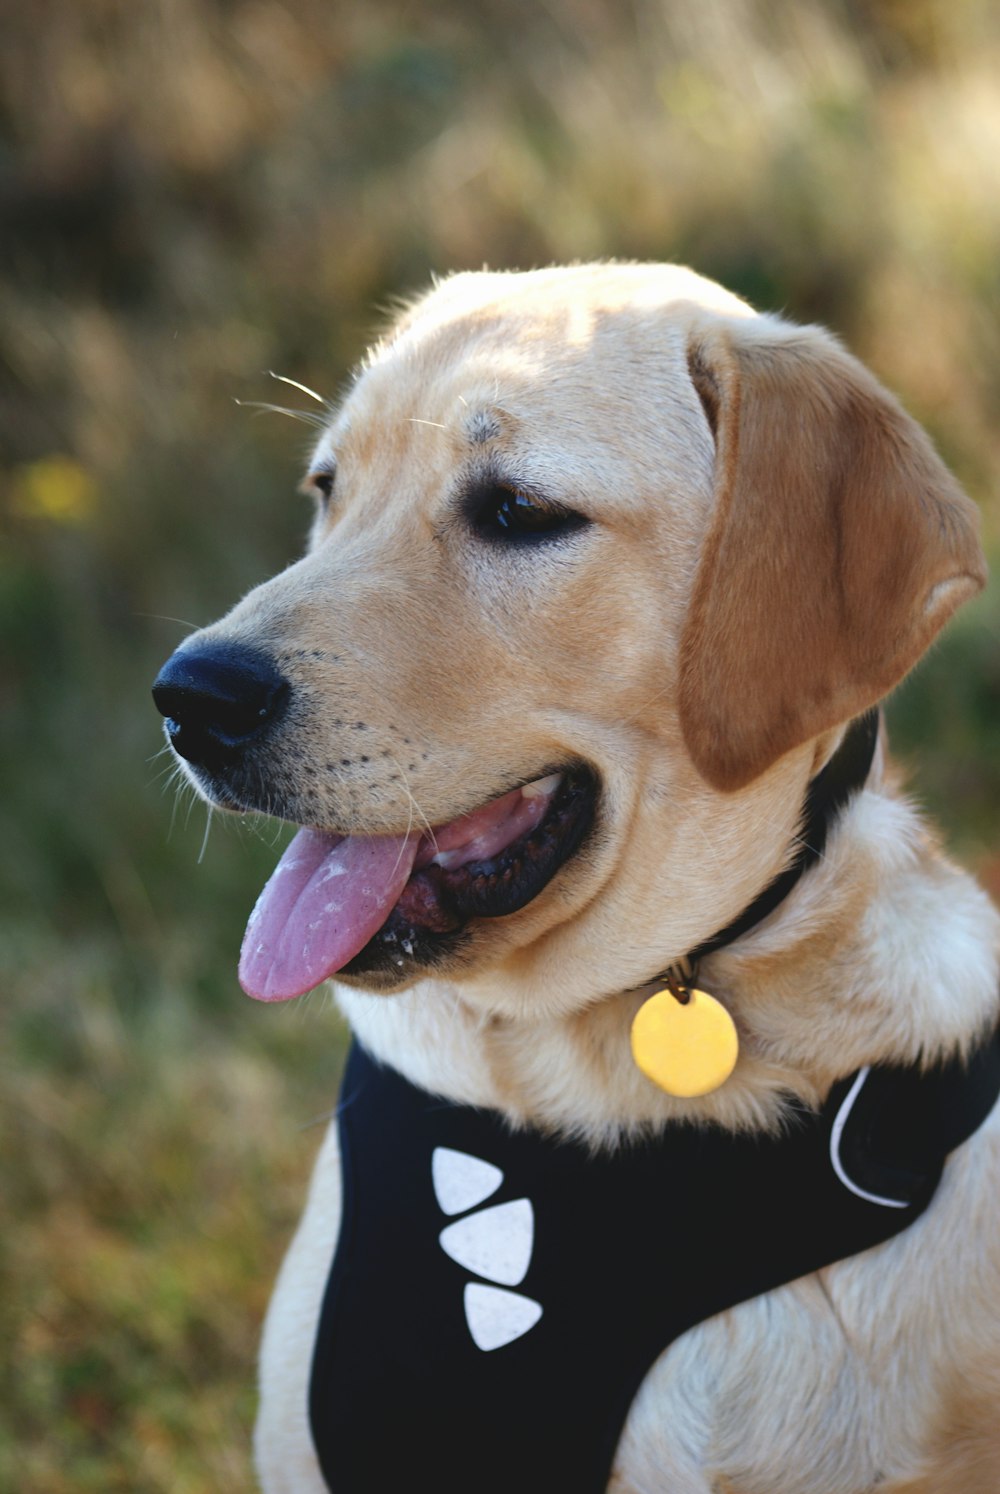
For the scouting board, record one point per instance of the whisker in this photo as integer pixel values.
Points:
(306, 417)
(304, 388)
(415, 811)
(413, 803)
(162, 617)
(409, 827)
(204, 840)
(183, 785)
(168, 772)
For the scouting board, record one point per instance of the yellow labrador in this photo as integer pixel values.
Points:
(603, 565)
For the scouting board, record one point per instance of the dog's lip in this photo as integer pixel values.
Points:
(491, 828)
(446, 842)
(429, 921)
(331, 894)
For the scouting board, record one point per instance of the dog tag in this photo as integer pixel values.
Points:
(687, 1047)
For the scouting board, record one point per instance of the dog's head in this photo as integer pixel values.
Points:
(601, 565)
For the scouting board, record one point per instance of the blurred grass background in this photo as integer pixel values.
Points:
(193, 192)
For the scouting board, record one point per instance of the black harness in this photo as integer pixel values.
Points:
(497, 1297)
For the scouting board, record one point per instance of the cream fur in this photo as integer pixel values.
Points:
(658, 404)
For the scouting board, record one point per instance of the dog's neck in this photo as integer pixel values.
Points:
(856, 965)
(844, 773)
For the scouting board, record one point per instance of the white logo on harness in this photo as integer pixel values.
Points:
(494, 1243)
(496, 1317)
(461, 1181)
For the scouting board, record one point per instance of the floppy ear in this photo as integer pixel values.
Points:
(839, 546)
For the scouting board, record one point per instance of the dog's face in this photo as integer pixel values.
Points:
(600, 565)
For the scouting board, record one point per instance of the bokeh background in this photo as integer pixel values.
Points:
(192, 193)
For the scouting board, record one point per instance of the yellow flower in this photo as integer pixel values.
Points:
(55, 488)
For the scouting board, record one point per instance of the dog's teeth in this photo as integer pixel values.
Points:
(542, 786)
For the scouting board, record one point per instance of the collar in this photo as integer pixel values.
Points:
(829, 792)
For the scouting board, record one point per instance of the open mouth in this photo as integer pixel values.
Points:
(357, 904)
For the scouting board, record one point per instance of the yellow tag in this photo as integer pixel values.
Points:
(686, 1048)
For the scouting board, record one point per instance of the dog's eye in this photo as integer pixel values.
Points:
(320, 486)
(510, 515)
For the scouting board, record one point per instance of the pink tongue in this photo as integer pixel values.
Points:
(329, 894)
(326, 898)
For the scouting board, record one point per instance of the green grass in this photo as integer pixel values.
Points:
(157, 1150)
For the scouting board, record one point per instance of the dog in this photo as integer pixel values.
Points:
(605, 572)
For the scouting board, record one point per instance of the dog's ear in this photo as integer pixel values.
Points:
(839, 545)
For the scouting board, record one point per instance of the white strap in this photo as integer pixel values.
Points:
(835, 1137)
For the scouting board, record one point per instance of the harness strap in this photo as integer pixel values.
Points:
(497, 1297)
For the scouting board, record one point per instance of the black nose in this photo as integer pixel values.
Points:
(217, 698)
